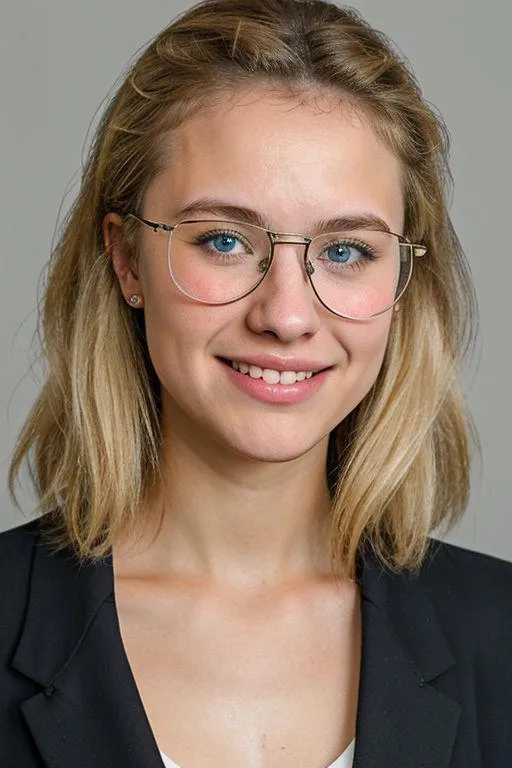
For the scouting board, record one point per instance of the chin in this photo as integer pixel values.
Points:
(275, 448)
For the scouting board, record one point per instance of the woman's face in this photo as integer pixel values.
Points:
(294, 164)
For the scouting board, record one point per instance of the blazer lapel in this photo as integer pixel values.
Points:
(89, 712)
(402, 721)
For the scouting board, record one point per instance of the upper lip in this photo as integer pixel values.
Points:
(280, 363)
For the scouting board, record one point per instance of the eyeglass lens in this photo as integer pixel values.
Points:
(357, 273)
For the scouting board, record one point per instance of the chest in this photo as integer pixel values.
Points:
(270, 684)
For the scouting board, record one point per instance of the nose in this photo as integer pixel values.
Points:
(284, 303)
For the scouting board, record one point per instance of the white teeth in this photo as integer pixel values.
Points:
(288, 377)
(271, 376)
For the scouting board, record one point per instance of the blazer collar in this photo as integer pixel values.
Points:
(402, 720)
(89, 711)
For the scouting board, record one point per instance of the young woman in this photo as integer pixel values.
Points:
(252, 424)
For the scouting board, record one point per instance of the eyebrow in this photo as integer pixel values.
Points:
(214, 207)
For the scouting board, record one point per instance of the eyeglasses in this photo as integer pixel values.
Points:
(356, 274)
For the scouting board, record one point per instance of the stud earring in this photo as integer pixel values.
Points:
(134, 299)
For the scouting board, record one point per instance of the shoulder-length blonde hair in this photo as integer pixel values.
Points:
(398, 465)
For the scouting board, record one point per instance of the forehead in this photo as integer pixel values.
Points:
(294, 159)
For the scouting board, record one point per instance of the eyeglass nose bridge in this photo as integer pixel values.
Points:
(288, 238)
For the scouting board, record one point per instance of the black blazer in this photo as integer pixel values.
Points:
(436, 669)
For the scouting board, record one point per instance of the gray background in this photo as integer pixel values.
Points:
(60, 59)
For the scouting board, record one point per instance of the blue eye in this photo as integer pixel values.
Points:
(348, 252)
(223, 242)
(339, 252)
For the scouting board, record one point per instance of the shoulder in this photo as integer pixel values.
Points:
(466, 573)
(472, 591)
(16, 550)
(472, 596)
(46, 587)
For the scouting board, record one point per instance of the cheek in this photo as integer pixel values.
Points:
(365, 346)
(365, 339)
(177, 331)
(165, 317)
(165, 307)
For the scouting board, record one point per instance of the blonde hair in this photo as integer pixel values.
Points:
(398, 465)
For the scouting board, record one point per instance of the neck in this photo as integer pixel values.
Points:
(236, 522)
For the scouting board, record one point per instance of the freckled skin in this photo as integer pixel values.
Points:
(295, 164)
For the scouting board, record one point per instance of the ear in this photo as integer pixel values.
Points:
(121, 257)
(396, 308)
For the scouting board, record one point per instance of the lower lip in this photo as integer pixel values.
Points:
(276, 393)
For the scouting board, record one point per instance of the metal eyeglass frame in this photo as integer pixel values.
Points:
(415, 250)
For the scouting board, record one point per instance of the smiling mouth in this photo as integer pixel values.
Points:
(269, 375)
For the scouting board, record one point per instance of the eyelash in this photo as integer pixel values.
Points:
(233, 233)
(216, 232)
(367, 252)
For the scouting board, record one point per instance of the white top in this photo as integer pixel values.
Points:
(345, 760)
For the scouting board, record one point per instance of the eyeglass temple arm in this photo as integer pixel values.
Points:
(155, 226)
